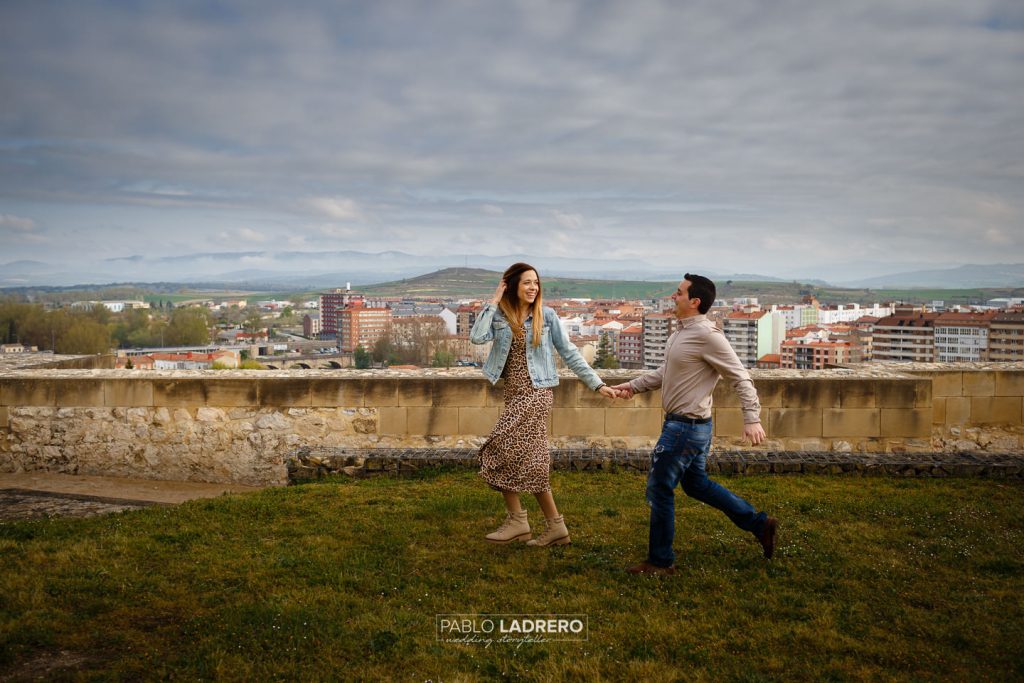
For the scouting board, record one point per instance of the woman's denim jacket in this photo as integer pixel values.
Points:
(540, 360)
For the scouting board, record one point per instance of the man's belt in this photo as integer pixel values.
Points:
(674, 417)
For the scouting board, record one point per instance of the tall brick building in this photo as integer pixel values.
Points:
(904, 337)
(361, 326)
(1006, 337)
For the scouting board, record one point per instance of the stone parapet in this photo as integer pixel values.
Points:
(238, 426)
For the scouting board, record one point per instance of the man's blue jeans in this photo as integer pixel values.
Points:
(681, 455)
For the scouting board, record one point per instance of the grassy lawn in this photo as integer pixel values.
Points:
(874, 579)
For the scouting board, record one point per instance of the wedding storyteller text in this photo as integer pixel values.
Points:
(511, 628)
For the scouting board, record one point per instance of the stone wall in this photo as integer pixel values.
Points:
(975, 406)
(240, 426)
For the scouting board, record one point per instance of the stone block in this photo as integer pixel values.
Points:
(433, 421)
(724, 396)
(416, 392)
(79, 392)
(127, 393)
(979, 383)
(284, 392)
(471, 393)
(28, 392)
(625, 421)
(379, 393)
(991, 410)
(567, 393)
(1010, 383)
(588, 398)
(790, 422)
(769, 392)
(906, 422)
(851, 422)
(392, 421)
(810, 445)
(904, 393)
(477, 421)
(4, 418)
(335, 393)
(947, 383)
(648, 399)
(857, 393)
(577, 421)
(728, 421)
(939, 411)
(194, 392)
(958, 410)
(494, 394)
(808, 393)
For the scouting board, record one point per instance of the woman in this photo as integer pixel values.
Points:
(515, 457)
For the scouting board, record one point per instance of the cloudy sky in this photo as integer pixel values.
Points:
(781, 138)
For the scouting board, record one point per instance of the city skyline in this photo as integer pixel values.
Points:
(795, 140)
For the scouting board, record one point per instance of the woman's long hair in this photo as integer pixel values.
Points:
(510, 303)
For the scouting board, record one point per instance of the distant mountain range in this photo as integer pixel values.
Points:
(318, 270)
(997, 275)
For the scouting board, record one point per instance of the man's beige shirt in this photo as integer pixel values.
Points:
(695, 356)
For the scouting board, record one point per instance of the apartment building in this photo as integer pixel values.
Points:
(845, 313)
(361, 326)
(754, 334)
(799, 315)
(815, 354)
(907, 337)
(962, 337)
(1006, 337)
(311, 327)
(465, 317)
(658, 327)
(631, 347)
(330, 303)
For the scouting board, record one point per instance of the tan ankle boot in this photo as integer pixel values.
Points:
(555, 533)
(514, 528)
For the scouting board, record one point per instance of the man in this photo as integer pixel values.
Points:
(695, 356)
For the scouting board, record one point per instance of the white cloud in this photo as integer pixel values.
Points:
(16, 223)
(338, 209)
(998, 237)
(828, 129)
(21, 231)
(250, 235)
(570, 221)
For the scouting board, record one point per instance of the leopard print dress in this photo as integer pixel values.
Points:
(515, 457)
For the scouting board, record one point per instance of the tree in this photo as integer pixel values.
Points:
(253, 321)
(605, 359)
(361, 358)
(384, 350)
(442, 359)
(188, 327)
(84, 335)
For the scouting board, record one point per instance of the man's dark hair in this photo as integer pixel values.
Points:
(703, 289)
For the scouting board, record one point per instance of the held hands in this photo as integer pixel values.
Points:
(623, 391)
(608, 392)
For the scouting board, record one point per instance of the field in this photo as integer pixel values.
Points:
(874, 579)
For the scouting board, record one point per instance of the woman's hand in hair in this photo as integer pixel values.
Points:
(499, 292)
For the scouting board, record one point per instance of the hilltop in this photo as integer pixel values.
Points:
(480, 283)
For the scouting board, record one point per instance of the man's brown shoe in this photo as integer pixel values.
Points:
(646, 568)
(767, 537)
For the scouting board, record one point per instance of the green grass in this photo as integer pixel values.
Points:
(874, 579)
